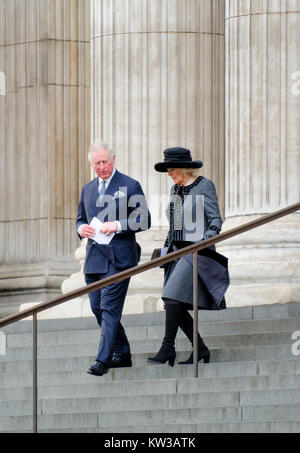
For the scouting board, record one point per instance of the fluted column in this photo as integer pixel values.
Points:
(263, 148)
(158, 81)
(44, 134)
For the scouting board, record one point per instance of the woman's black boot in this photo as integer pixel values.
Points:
(167, 351)
(187, 325)
(201, 355)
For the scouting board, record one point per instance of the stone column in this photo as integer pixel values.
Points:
(44, 134)
(157, 80)
(263, 148)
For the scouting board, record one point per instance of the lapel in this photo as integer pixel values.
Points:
(93, 196)
(114, 184)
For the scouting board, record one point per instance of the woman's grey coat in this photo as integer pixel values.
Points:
(213, 274)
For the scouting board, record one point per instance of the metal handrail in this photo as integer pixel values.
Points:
(192, 249)
(150, 264)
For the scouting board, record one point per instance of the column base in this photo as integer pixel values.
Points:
(31, 284)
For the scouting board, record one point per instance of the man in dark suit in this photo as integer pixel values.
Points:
(119, 203)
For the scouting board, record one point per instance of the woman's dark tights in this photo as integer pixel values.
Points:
(178, 316)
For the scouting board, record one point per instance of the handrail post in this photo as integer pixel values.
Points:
(34, 374)
(195, 303)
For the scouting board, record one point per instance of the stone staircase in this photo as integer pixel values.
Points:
(251, 385)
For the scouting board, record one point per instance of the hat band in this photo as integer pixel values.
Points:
(178, 158)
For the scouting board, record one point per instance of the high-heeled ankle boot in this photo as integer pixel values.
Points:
(201, 355)
(186, 324)
(166, 353)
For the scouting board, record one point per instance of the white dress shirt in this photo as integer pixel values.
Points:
(107, 181)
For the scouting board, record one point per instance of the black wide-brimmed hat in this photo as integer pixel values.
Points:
(177, 158)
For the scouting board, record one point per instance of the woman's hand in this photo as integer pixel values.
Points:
(209, 234)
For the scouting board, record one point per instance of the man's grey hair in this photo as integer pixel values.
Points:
(99, 145)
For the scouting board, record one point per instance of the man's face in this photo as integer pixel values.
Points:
(102, 163)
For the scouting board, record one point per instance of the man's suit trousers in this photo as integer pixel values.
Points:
(107, 305)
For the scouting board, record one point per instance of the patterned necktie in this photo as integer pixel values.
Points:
(102, 190)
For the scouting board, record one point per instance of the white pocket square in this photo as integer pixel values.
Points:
(119, 195)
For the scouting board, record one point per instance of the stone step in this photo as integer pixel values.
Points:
(181, 400)
(288, 427)
(113, 419)
(225, 329)
(205, 414)
(218, 356)
(109, 419)
(127, 403)
(77, 366)
(86, 389)
(251, 385)
(145, 420)
(86, 386)
(250, 344)
(264, 390)
(285, 412)
(275, 332)
(230, 315)
(276, 427)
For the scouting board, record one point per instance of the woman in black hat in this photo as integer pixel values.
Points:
(194, 216)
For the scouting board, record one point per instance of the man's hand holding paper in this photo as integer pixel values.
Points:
(104, 232)
(109, 228)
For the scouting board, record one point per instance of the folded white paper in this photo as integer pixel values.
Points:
(98, 237)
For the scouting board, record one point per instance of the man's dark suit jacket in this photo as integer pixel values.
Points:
(125, 202)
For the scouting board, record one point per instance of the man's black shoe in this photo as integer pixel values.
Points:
(98, 369)
(121, 361)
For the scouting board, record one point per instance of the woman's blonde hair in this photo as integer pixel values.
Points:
(190, 171)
